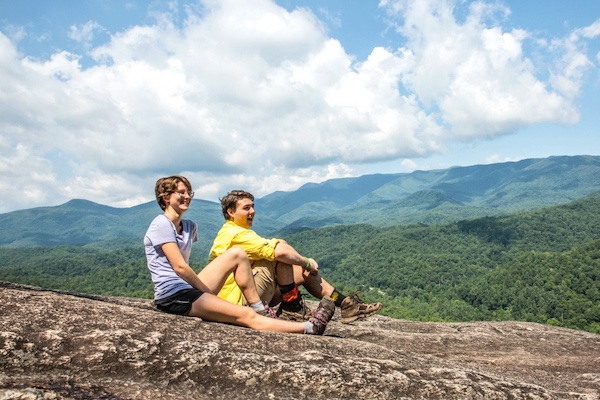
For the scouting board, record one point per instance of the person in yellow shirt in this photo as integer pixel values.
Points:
(278, 269)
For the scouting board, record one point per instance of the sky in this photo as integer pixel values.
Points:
(100, 98)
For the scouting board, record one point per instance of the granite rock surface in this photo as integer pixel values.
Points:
(59, 345)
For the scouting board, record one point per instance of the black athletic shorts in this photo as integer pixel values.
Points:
(179, 303)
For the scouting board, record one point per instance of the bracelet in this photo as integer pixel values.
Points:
(307, 266)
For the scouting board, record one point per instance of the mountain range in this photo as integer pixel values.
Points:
(419, 197)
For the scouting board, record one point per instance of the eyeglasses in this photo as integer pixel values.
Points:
(182, 193)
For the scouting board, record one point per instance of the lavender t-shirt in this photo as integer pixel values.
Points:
(161, 231)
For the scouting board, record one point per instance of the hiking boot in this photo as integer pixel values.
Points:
(322, 315)
(353, 308)
(297, 311)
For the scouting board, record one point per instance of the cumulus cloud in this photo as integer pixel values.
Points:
(250, 95)
(476, 73)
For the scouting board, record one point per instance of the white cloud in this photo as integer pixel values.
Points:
(497, 158)
(475, 72)
(85, 33)
(590, 32)
(31, 176)
(16, 33)
(249, 95)
(571, 67)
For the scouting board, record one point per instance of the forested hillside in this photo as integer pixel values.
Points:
(540, 266)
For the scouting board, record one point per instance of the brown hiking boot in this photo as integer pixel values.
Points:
(353, 308)
(297, 311)
(322, 315)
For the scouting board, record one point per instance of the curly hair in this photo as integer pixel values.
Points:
(166, 186)
(229, 201)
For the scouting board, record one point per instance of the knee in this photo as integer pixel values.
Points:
(282, 267)
(237, 253)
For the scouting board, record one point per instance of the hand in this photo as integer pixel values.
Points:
(314, 267)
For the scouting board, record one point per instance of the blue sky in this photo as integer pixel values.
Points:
(100, 98)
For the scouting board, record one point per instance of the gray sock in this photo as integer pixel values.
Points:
(309, 327)
(258, 306)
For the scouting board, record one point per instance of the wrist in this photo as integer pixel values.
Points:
(307, 265)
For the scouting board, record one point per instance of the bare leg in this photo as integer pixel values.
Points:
(315, 284)
(284, 274)
(212, 308)
(233, 260)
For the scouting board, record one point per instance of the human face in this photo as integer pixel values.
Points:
(243, 215)
(180, 200)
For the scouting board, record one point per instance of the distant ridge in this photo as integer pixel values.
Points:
(439, 196)
(429, 197)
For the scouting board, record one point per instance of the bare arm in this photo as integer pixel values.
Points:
(287, 254)
(181, 268)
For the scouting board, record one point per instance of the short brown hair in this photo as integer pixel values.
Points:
(166, 186)
(230, 201)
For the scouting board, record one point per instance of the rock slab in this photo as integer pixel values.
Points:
(59, 345)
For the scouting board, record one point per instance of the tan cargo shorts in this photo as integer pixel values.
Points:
(264, 279)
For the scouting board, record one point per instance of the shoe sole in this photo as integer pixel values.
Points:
(349, 320)
(294, 319)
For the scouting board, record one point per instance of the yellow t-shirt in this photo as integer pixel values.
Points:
(255, 246)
